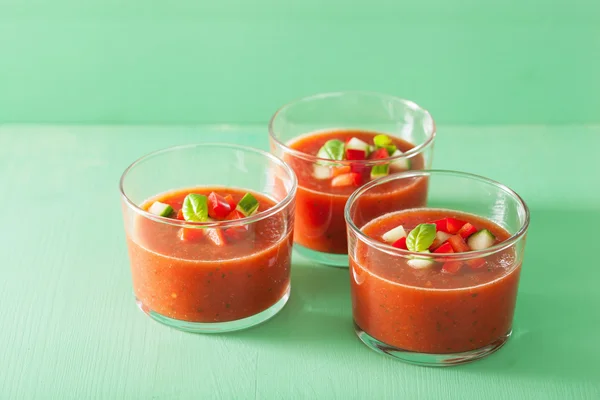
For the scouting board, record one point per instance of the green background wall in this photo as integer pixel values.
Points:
(193, 61)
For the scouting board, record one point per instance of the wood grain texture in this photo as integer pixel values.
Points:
(71, 330)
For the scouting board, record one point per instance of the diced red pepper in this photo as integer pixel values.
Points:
(235, 214)
(453, 225)
(236, 232)
(449, 225)
(353, 154)
(337, 171)
(191, 234)
(359, 168)
(231, 201)
(436, 243)
(349, 179)
(452, 267)
(458, 244)
(379, 154)
(218, 207)
(466, 230)
(476, 263)
(400, 243)
(216, 236)
(440, 225)
(180, 215)
(445, 248)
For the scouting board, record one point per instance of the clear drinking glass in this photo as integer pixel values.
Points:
(320, 231)
(198, 286)
(427, 316)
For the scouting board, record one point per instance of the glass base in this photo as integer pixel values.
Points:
(426, 359)
(218, 327)
(333, 260)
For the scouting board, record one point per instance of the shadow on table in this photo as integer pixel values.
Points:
(557, 323)
(318, 311)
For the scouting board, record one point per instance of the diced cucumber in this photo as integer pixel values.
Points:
(380, 170)
(403, 164)
(421, 262)
(391, 149)
(481, 240)
(442, 236)
(395, 234)
(161, 209)
(357, 144)
(321, 172)
(248, 205)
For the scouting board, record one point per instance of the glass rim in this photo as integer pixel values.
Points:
(189, 224)
(308, 157)
(389, 249)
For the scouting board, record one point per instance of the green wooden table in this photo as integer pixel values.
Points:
(71, 330)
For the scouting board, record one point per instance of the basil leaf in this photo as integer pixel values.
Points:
(332, 149)
(420, 238)
(195, 208)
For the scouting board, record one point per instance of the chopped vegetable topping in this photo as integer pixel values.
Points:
(402, 164)
(180, 215)
(191, 234)
(458, 244)
(218, 206)
(231, 201)
(195, 208)
(357, 144)
(332, 150)
(449, 225)
(445, 248)
(452, 267)
(420, 238)
(215, 235)
(160, 209)
(481, 240)
(356, 154)
(393, 235)
(453, 225)
(379, 170)
(321, 172)
(349, 179)
(379, 154)
(466, 230)
(400, 243)
(420, 262)
(340, 170)
(355, 149)
(382, 140)
(248, 205)
(440, 237)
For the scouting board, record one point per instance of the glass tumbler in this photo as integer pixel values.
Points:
(198, 286)
(320, 230)
(429, 316)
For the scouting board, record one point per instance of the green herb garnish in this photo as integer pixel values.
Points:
(332, 150)
(420, 238)
(195, 208)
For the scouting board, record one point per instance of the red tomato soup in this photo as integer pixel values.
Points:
(193, 279)
(431, 310)
(320, 224)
